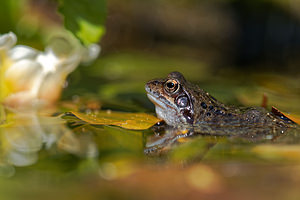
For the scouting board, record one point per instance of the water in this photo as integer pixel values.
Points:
(43, 157)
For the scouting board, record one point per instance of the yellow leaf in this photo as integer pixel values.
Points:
(136, 121)
(294, 118)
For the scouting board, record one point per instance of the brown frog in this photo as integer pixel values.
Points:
(182, 104)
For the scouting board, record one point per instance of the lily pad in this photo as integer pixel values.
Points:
(135, 121)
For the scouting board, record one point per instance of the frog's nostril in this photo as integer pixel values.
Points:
(155, 82)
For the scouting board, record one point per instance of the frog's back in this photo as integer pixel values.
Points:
(208, 110)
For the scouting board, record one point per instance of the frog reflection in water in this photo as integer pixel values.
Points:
(184, 105)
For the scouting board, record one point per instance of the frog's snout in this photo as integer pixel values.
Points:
(151, 84)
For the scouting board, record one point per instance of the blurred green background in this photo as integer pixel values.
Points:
(237, 50)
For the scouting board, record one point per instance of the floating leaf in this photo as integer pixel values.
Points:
(293, 118)
(136, 121)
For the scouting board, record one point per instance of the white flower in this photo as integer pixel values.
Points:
(30, 78)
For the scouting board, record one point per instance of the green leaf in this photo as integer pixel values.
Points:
(84, 18)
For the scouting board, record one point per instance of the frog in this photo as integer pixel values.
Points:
(180, 103)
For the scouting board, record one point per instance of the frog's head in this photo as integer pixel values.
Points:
(172, 98)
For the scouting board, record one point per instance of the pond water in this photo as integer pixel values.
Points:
(43, 157)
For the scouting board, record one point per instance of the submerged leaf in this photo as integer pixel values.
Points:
(290, 152)
(136, 121)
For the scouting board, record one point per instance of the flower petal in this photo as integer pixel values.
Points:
(51, 87)
(91, 53)
(68, 65)
(22, 159)
(65, 65)
(22, 52)
(7, 41)
(23, 75)
(48, 61)
(22, 100)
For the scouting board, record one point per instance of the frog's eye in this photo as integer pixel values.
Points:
(171, 86)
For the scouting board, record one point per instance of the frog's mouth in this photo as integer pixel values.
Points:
(159, 102)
